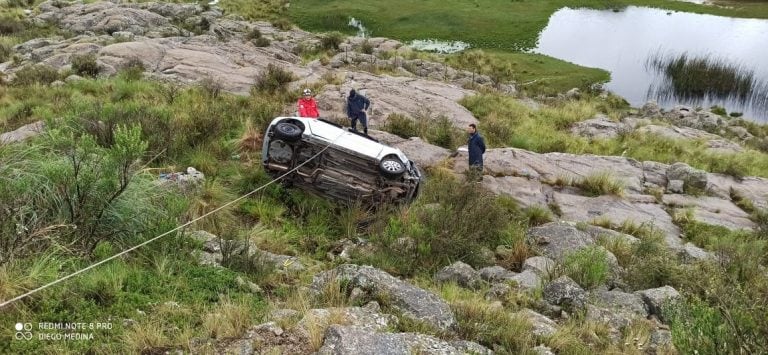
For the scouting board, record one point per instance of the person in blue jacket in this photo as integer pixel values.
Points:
(356, 106)
(476, 147)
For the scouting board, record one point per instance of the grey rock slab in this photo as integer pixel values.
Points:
(712, 210)
(616, 210)
(656, 298)
(496, 274)
(676, 186)
(411, 97)
(551, 166)
(424, 154)
(558, 239)
(691, 253)
(413, 301)
(754, 189)
(527, 192)
(674, 132)
(460, 273)
(342, 340)
(655, 173)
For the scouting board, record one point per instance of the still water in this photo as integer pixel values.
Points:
(624, 42)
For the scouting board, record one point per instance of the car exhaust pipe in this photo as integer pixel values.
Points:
(277, 167)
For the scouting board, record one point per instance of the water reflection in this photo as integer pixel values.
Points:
(624, 42)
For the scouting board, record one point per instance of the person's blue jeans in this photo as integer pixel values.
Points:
(360, 116)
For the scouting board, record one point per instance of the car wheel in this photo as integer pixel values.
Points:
(288, 132)
(391, 167)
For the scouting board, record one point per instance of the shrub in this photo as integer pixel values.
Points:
(366, 47)
(401, 125)
(35, 74)
(254, 33)
(601, 183)
(5, 52)
(331, 40)
(718, 110)
(132, 70)
(85, 65)
(261, 42)
(442, 133)
(211, 87)
(588, 266)
(283, 24)
(10, 26)
(274, 79)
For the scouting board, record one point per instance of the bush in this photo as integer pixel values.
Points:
(85, 65)
(253, 34)
(443, 134)
(401, 125)
(366, 47)
(133, 70)
(10, 26)
(35, 74)
(331, 40)
(601, 183)
(718, 110)
(5, 52)
(274, 79)
(261, 42)
(588, 267)
(282, 24)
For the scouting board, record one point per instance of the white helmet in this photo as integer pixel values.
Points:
(307, 92)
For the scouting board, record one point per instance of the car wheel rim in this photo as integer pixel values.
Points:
(391, 166)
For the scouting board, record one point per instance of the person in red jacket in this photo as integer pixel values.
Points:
(308, 105)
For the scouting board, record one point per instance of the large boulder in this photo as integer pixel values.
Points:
(342, 340)
(496, 274)
(461, 274)
(542, 326)
(566, 293)
(527, 192)
(693, 178)
(105, 17)
(617, 309)
(599, 127)
(558, 239)
(412, 301)
(657, 298)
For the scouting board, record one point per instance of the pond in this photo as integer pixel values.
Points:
(671, 57)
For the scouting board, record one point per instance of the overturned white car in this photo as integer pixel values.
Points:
(354, 167)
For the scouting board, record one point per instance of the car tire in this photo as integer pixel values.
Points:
(391, 167)
(288, 132)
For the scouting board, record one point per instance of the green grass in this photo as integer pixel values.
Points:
(588, 267)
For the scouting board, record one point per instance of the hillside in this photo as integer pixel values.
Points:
(596, 227)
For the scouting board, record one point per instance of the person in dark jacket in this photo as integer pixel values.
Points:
(476, 147)
(356, 106)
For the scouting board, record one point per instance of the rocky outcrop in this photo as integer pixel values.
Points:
(540, 265)
(566, 293)
(711, 210)
(542, 326)
(692, 178)
(600, 127)
(657, 298)
(342, 340)
(461, 274)
(412, 301)
(496, 274)
(616, 309)
(557, 240)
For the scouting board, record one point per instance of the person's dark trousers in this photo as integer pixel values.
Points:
(363, 121)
